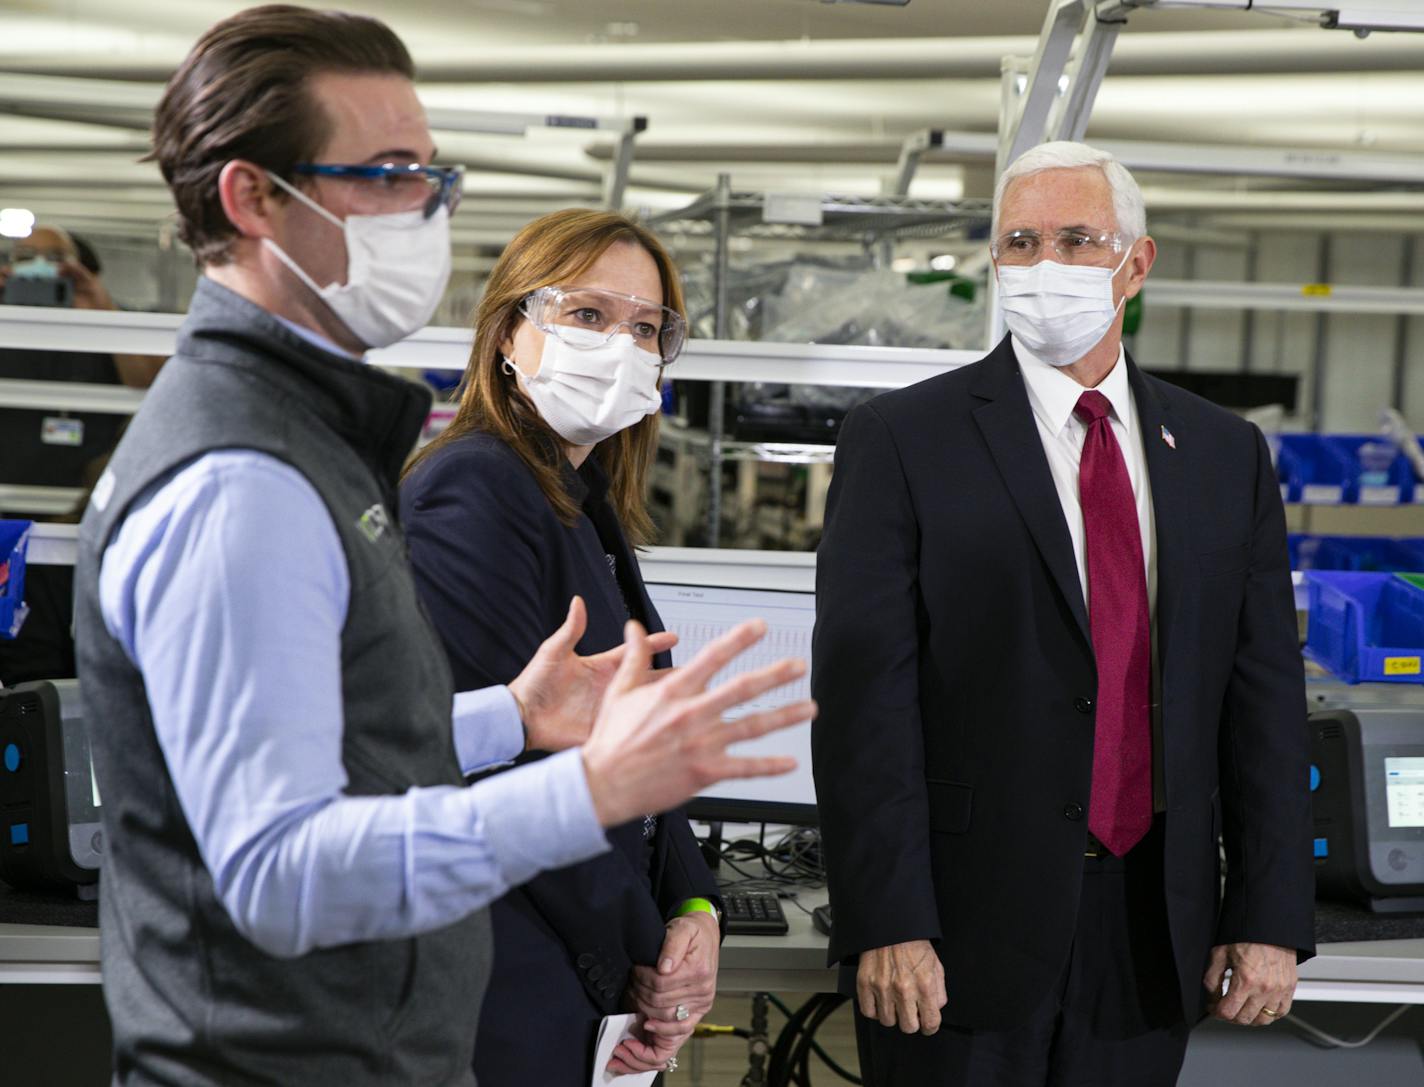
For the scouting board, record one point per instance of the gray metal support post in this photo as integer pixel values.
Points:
(1248, 320)
(1013, 76)
(168, 259)
(716, 402)
(1408, 270)
(1322, 330)
(1184, 330)
(911, 152)
(615, 181)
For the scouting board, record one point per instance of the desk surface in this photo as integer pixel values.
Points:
(1369, 972)
(1380, 971)
(48, 955)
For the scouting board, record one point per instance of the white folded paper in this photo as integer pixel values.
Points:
(612, 1031)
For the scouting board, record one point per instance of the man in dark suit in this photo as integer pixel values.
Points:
(1057, 662)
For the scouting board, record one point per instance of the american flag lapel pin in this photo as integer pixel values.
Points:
(1167, 437)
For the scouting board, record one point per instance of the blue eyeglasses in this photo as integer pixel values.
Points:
(445, 184)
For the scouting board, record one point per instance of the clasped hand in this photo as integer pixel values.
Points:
(686, 975)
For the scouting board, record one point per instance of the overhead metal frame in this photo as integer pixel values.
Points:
(1052, 97)
(115, 104)
(842, 217)
(1071, 109)
(1061, 82)
(1357, 15)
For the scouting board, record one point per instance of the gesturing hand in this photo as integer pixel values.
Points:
(559, 692)
(902, 985)
(1263, 979)
(686, 975)
(659, 741)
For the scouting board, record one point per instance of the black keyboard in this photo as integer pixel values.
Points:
(753, 913)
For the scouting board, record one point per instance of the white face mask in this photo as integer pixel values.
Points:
(397, 267)
(590, 394)
(1059, 311)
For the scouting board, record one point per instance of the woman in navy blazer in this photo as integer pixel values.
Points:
(511, 512)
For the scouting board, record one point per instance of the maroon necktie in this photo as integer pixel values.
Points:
(1120, 812)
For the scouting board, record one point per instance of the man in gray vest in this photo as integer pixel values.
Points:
(296, 875)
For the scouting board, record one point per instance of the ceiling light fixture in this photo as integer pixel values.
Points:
(16, 222)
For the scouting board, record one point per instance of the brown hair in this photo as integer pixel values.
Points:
(242, 94)
(553, 250)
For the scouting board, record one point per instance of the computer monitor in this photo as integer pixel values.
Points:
(699, 613)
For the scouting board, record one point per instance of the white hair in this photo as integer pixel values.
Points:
(1128, 205)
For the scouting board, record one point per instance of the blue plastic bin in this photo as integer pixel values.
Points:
(1324, 469)
(1364, 554)
(14, 542)
(1366, 628)
(1311, 471)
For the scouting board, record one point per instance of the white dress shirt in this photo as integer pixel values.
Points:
(1053, 395)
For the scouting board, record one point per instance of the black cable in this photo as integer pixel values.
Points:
(778, 1065)
(780, 1075)
(799, 1063)
(830, 1003)
(793, 860)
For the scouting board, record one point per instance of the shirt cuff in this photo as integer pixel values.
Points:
(540, 816)
(487, 728)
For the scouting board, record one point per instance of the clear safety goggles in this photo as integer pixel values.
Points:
(406, 186)
(588, 317)
(1075, 245)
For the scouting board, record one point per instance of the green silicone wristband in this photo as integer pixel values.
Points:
(697, 905)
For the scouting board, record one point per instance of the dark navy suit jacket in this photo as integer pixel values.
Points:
(496, 568)
(954, 668)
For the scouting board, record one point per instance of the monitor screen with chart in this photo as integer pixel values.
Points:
(699, 613)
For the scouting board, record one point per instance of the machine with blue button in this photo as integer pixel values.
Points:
(50, 838)
(1367, 791)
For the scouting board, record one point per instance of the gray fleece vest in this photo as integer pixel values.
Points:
(192, 1001)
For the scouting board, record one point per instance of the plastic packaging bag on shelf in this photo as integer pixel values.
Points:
(845, 301)
(875, 307)
(1397, 429)
(749, 284)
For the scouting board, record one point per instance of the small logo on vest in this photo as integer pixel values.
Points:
(103, 490)
(373, 523)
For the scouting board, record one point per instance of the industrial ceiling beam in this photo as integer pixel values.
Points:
(1168, 53)
(978, 148)
(1362, 16)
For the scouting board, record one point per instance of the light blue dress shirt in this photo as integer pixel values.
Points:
(227, 587)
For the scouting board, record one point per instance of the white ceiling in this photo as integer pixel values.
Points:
(788, 133)
(59, 25)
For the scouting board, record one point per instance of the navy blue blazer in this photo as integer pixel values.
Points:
(496, 569)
